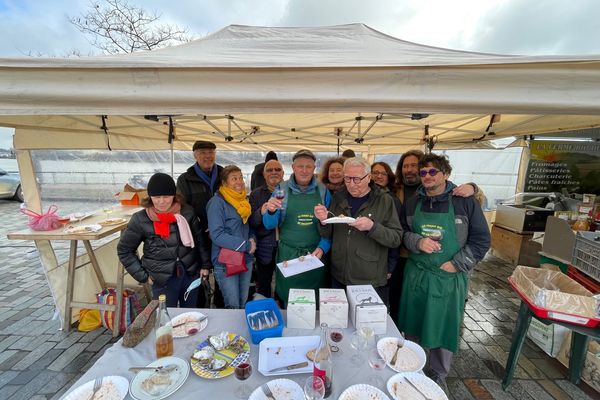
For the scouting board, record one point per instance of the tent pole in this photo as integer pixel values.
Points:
(31, 193)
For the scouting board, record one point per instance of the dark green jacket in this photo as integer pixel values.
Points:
(360, 258)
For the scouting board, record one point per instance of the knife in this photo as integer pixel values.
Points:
(290, 367)
(161, 369)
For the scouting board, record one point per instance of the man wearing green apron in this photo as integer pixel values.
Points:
(447, 236)
(298, 227)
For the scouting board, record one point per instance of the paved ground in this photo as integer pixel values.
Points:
(37, 361)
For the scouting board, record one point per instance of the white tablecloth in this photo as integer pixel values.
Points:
(117, 359)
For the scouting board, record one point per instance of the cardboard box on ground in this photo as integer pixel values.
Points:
(591, 368)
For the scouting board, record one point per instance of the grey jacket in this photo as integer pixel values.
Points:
(471, 226)
(357, 257)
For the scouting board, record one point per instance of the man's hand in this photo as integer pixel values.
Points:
(264, 208)
(449, 267)
(362, 224)
(318, 253)
(150, 281)
(252, 246)
(204, 272)
(274, 204)
(321, 212)
(464, 190)
(427, 245)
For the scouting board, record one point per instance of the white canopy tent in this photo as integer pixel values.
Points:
(262, 88)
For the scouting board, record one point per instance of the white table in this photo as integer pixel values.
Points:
(117, 359)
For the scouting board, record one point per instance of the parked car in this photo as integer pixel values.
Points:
(10, 186)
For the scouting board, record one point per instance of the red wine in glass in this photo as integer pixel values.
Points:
(438, 238)
(336, 336)
(279, 194)
(243, 371)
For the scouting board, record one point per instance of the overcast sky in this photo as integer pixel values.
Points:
(531, 27)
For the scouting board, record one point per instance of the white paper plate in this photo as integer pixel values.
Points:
(179, 332)
(82, 229)
(401, 390)
(278, 352)
(363, 392)
(178, 378)
(282, 389)
(84, 391)
(339, 220)
(411, 358)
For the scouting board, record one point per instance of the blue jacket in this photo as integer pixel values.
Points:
(226, 228)
(273, 220)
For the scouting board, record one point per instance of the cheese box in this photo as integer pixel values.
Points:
(366, 308)
(301, 310)
(333, 308)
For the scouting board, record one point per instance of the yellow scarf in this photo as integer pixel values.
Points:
(238, 201)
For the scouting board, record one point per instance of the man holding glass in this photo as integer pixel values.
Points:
(436, 273)
(359, 250)
(266, 241)
(298, 228)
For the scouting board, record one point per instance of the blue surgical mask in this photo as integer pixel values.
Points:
(194, 285)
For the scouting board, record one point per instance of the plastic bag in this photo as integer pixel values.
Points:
(89, 320)
(43, 222)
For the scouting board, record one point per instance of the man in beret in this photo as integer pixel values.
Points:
(197, 185)
(298, 227)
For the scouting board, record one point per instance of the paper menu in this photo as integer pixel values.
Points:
(299, 265)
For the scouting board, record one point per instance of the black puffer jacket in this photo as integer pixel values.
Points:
(158, 260)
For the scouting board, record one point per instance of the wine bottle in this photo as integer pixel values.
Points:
(164, 329)
(322, 364)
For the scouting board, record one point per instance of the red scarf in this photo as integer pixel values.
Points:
(162, 221)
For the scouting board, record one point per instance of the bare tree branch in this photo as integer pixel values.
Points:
(115, 26)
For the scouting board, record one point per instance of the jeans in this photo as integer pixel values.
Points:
(234, 288)
(174, 290)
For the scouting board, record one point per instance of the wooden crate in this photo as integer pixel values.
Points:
(516, 248)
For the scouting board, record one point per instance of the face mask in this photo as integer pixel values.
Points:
(194, 285)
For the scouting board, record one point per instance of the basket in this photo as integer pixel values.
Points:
(263, 305)
(586, 253)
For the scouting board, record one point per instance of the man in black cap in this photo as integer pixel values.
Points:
(257, 179)
(197, 185)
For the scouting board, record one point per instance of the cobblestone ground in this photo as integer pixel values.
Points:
(38, 361)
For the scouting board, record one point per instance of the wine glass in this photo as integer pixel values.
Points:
(368, 333)
(242, 372)
(377, 362)
(358, 342)
(437, 236)
(314, 388)
(107, 210)
(279, 194)
(335, 335)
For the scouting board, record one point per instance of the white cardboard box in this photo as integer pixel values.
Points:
(301, 310)
(366, 308)
(333, 308)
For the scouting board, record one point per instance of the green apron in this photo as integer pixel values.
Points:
(433, 300)
(299, 236)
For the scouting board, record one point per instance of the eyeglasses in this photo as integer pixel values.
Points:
(432, 172)
(273, 170)
(379, 173)
(354, 179)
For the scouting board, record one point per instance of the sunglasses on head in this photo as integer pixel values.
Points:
(432, 172)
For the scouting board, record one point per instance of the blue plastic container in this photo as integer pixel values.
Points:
(264, 305)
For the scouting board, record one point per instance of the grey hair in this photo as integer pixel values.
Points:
(358, 162)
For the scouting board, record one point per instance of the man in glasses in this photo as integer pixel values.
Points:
(266, 241)
(197, 185)
(447, 236)
(291, 209)
(359, 250)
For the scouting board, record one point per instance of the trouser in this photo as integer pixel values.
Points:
(382, 291)
(174, 289)
(395, 285)
(235, 288)
(440, 360)
(264, 275)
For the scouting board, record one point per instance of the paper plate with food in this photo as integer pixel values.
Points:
(340, 219)
(363, 392)
(281, 389)
(83, 229)
(160, 383)
(414, 385)
(112, 387)
(218, 355)
(410, 357)
(113, 221)
(188, 324)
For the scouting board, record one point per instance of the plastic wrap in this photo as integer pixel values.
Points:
(555, 291)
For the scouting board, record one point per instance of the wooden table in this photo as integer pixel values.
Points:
(86, 238)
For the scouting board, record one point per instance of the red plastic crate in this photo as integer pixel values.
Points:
(554, 315)
(584, 280)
